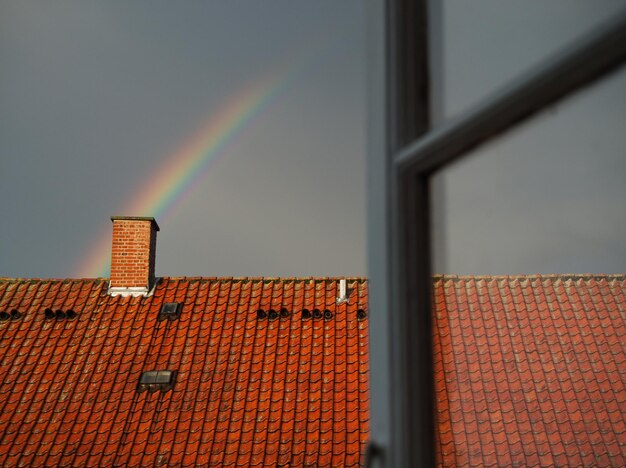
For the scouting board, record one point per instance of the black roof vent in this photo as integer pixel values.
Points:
(170, 311)
(284, 312)
(50, 314)
(261, 314)
(328, 314)
(152, 381)
(16, 314)
(361, 314)
(306, 314)
(273, 314)
(317, 313)
(4, 316)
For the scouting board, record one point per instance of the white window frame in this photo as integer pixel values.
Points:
(403, 152)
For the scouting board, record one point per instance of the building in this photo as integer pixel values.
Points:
(249, 371)
(530, 370)
(145, 371)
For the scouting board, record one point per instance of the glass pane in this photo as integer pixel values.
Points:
(489, 42)
(527, 363)
(549, 197)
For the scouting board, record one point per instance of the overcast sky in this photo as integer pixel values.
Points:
(96, 96)
(549, 197)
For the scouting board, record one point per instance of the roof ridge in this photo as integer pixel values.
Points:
(6, 279)
(561, 276)
(437, 276)
(267, 278)
(51, 280)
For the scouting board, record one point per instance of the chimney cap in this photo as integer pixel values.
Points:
(137, 218)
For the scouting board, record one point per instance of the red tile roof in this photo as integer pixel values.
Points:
(530, 370)
(249, 391)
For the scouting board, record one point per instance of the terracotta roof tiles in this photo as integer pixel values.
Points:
(528, 370)
(249, 392)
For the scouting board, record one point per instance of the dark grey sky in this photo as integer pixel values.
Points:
(549, 197)
(95, 95)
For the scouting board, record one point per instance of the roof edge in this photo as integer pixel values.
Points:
(436, 277)
(201, 278)
(137, 218)
(52, 280)
(554, 276)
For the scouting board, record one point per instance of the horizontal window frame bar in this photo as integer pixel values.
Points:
(586, 61)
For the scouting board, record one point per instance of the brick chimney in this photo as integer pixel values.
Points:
(132, 255)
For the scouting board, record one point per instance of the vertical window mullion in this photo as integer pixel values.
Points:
(412, 307)
(408, 70)
(410, 303)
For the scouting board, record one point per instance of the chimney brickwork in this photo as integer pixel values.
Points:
(133, 255)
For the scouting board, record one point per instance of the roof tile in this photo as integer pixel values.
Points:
(68, 393)
(527, 370)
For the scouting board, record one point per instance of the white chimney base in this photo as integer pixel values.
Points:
(129, 292)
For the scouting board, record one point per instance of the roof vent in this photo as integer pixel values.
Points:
(284, 312)
(16, 314)
(261, 314)
(306, 314)
(4, 316)
(50, 314)
(317, 313)
(273, 314)
(170, 311)
(328, 314)
(152, 381)
(361, 314)
(343, 291)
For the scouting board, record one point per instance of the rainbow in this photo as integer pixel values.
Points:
(164, 190)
